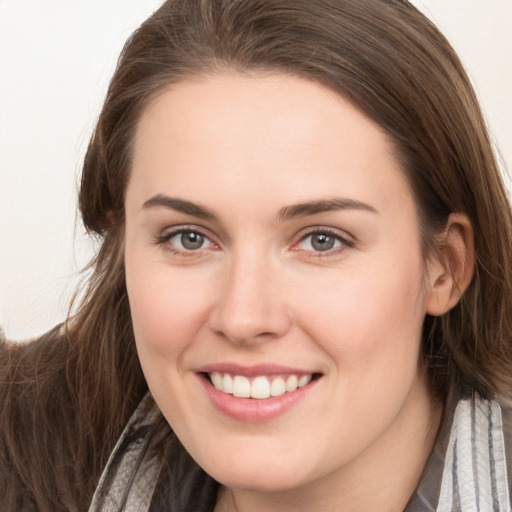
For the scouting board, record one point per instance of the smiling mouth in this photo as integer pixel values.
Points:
(259, 387)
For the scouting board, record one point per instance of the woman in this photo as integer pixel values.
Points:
(305, 259)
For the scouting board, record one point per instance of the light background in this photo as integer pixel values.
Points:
(56, 57)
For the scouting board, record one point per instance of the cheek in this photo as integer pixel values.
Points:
(167, 309)
(370, 326)
(369, 320)
(167, 315)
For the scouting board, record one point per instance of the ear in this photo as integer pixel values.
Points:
(450, 269)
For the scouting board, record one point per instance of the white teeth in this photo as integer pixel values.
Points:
(278, 387)
(241, 387)
(305, 379)
(217, 380)
(260, 387)
(227, 384)
(292, 383)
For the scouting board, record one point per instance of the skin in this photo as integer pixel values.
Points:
(245, 147)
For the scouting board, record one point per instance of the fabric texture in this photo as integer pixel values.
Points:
(466, 471)
(128, 482)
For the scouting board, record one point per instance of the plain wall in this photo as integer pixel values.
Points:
(56, 57)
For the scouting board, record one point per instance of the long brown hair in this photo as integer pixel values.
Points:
(394, 65)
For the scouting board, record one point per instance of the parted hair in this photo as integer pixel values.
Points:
(65, 397)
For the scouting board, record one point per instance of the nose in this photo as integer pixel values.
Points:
(250, 307)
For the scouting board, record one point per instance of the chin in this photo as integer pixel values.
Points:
(261, 481)
(250, 474)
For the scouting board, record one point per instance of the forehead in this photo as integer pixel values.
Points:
(231, 105)
(249, 133)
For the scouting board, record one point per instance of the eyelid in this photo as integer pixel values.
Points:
(176, 228)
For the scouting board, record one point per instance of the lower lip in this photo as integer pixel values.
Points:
(254, 410)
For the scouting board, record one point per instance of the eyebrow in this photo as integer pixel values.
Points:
(287, 213)
(179, 205)
(323, 206)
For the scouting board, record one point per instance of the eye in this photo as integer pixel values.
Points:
(189, 240)
(183, 241)
(322, 241)
(319, 242)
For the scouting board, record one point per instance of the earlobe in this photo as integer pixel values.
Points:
(450, 270)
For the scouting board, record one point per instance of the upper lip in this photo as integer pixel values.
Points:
(253, 370)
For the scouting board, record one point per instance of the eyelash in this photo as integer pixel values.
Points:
(164, 239)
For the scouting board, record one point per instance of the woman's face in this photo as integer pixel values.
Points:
(272, 248)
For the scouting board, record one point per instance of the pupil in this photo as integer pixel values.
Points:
(322, 242)
(191, 240)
